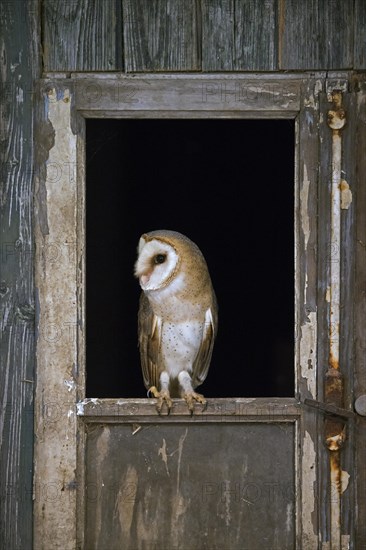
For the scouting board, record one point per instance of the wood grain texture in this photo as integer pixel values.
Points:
(239, 35)
(203, 486)
(316, 34)
(20, 58)
(346, 352)
(360, 307)
(307, 327)
(161, 35)
(58, 293)
(82, 35)
(191, 93)
(360, 35)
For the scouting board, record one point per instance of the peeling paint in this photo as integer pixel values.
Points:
(56, 222)
(335, 430)
(80, 408)
(304, 197)
(70, 384)
(346, 195)
(312, 100)
(327, 295)
(81, 404)
(309, 491)
(308, 353)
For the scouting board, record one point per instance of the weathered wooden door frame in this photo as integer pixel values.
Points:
(61, 408)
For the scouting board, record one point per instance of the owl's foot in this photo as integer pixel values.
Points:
(162, 396)
(192, 397)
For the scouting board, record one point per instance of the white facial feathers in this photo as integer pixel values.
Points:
(156, 263)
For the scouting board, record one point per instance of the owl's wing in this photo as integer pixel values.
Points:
(149, 333)
(203, 359)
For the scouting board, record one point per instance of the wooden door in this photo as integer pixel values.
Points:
(247, 472)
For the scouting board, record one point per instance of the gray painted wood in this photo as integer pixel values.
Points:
(308, 320)
(165, 94)
(360, 306)
(316, 34)
(348, 244)
(208, 35)
(82, 35)
(190, 486)
(20, 57)
(239, 35)
(360, 35)
(161, 35)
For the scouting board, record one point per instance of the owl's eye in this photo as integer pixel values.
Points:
(159, 259)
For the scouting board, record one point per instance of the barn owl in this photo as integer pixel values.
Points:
(177, 318)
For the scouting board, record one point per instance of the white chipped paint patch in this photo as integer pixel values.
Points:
(308, 352)
(70, 384)
(304, 197)
(81, 404)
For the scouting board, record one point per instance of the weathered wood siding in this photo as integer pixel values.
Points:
(82, 35)
(359, 300)
(203, 35)
(239, 36)
(160, 35)
(19, 69)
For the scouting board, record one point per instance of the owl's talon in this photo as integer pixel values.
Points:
(162, 396)
(190, 399)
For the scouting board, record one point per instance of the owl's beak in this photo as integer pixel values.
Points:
(144, 279)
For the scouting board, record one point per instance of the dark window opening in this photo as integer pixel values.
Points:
(229, 186)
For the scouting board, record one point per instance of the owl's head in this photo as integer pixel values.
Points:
(157, 261)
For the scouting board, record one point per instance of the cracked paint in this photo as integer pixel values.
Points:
(308, 352)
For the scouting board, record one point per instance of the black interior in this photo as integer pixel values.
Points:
(229, 186)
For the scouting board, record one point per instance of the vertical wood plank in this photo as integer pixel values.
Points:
(82, 35)
(239, 35)
(20, 67)
(326, 256)
(58, 367)
(360, 35)
(161, 35)
(308, 349)
(360, 308)
(316, 34)
(348, 244)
